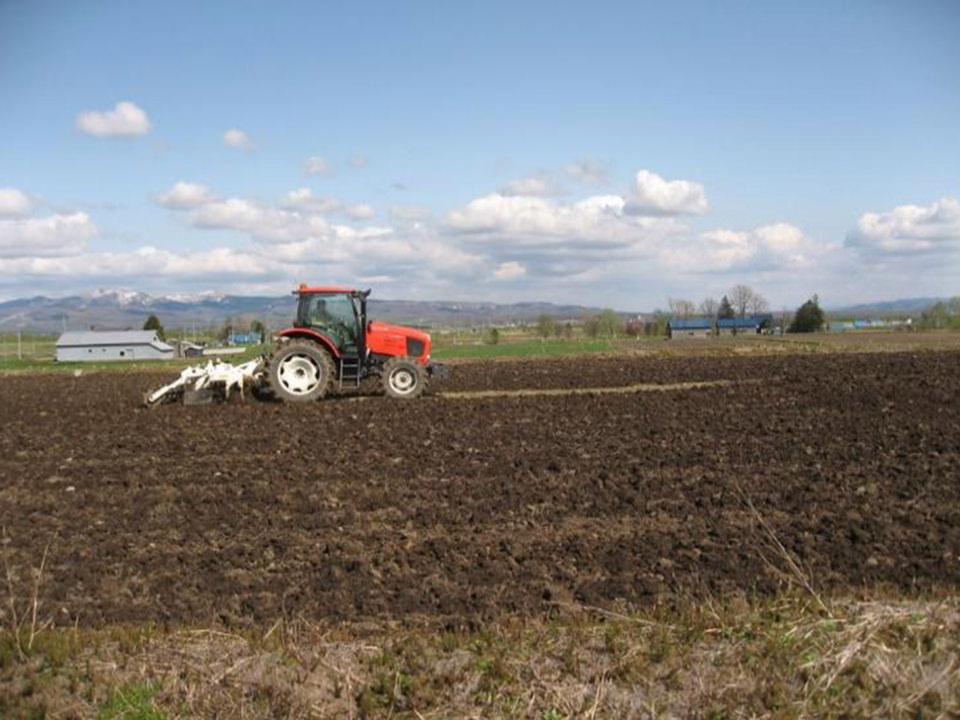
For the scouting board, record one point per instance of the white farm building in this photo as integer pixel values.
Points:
(119, 345)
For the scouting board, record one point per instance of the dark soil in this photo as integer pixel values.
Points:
(462, 511)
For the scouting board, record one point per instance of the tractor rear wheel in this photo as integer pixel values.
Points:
(403, 377)
(299, 371)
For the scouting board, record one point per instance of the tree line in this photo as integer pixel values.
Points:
(743, 301)
(228, 329)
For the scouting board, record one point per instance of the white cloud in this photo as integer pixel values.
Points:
(587, 172)
(554, 240)
(125, 120)
(523, 220)
(360, 211)
(652, 195)
(264, 223)
(14, 202)
(184, 195)
(316, 165)
(238, 139)
(909, 230)
(304, 199)
(294, 237)
(144, 261)
(60, 234)
(780, 246)
(357, 162)
(530, 187)
(531, 246)
(511, 270)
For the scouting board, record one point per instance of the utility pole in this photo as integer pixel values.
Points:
(19, 347)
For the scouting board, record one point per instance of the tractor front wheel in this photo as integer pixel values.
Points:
(299, 371)
(403, 378)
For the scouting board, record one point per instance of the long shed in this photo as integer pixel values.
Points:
(117, 345)
(686, 328)
(750, 325)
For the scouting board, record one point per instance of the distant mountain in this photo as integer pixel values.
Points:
(905, 306)
(121, 309)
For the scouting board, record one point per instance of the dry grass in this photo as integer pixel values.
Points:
(619, 390)
(773, 657)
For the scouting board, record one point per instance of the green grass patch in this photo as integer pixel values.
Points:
(133, 701)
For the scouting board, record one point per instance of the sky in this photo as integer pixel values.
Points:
(605, 153)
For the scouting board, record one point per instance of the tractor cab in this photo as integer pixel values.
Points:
(332, 344)
(337, 314)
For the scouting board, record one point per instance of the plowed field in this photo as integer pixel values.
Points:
(461, 509)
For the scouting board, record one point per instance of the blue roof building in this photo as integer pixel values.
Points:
(749, 324)
(701, 323)
(696, 327)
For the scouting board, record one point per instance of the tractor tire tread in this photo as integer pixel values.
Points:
(271, 385)
(390, 365)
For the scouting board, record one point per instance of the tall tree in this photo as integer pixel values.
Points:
(808, 318)
(611, 323)
(709, 307)
(741, 297)
(153, 323)
(258, 327)
(591, 326)
(758, 304)
(725, 310)
(226, 330)
(546, 326)
(680, 307)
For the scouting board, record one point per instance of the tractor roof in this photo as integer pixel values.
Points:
(308, 289)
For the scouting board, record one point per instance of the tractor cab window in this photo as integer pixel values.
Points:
(334, 316)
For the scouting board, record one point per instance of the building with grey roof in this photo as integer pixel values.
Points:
(117, 345)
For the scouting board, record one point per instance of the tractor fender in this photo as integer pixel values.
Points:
(307, 334)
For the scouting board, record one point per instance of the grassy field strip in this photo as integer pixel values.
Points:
(786, 656)
(639, 387)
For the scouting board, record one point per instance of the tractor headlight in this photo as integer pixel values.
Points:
(415, 347)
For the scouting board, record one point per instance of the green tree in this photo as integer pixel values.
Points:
(808, 318)
(153, 323)
(226, 330)
(546, 326)
(725, 310)
(491, 336)
(610, 322)
(941, 315)
(258, 327)
(591, 326)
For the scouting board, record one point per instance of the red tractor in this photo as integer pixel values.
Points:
(333, 342)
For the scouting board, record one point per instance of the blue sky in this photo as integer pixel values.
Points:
(611, 153)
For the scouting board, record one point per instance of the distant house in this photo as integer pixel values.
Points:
(750, 325)
(185, 348)
(118, 345)
(689, 328)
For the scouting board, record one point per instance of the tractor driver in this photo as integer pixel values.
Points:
(330, 324)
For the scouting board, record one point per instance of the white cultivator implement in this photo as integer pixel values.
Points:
(199, 384)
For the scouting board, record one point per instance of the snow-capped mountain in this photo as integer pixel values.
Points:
(115, 309)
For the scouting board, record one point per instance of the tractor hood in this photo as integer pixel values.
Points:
(378, 327)
(395, 340)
